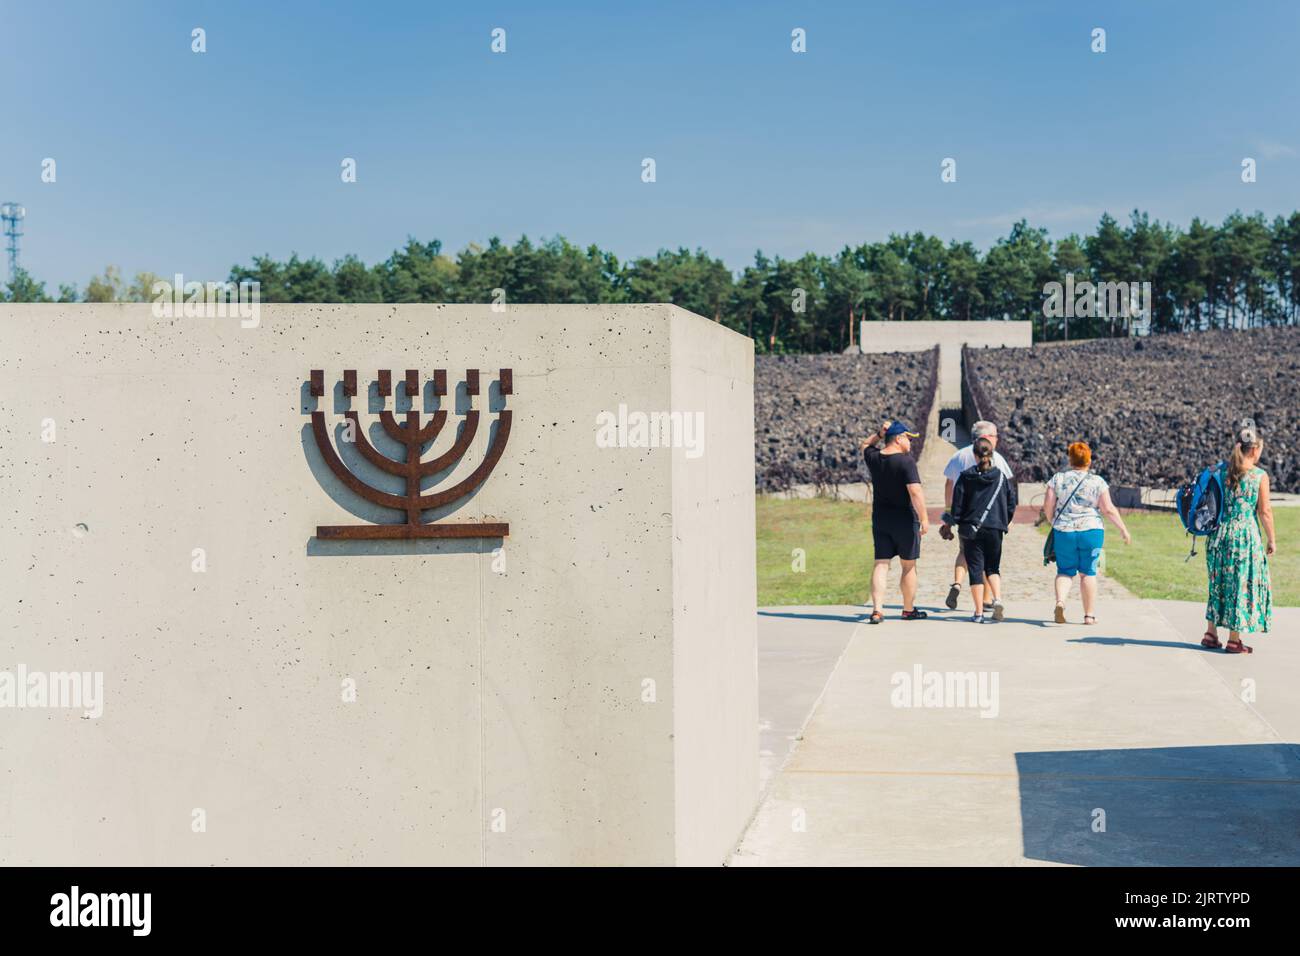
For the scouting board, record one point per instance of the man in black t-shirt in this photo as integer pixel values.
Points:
(898, 517)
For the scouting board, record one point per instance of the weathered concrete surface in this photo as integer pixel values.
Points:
(714, 585)
(585, 696)
(1130, 717)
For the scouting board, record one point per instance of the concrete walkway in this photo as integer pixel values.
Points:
(943, 742)
(1120, 744)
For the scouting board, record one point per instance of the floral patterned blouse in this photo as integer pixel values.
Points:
(1082, 513)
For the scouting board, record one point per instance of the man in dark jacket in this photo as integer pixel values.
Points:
(983, 504)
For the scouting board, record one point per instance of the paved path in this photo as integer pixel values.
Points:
(794, 662)
(1124, 743)
(1120, 744)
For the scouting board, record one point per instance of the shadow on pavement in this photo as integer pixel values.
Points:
(848, 618)
(891, 612)
(1121, 641)
(937, 613)
(963, 617)
(1233, 805)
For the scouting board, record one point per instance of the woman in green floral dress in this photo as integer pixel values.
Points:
(1237, 559)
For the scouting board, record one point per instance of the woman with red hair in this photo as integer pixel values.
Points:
(1077, 531)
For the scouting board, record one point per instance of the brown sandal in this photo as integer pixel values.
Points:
(1239, 648)
(1211, 641)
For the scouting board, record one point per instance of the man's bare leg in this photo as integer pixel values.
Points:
(879, 578)
(908, 584)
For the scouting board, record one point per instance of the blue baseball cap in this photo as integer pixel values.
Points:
(899, 428)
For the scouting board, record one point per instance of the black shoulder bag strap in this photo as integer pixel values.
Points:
(1049, 546)
(1074, 491)
(996, 491)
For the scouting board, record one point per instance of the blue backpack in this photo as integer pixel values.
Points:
(1200, 504)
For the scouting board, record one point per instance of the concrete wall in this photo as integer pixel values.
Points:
(950, 337)
(501, 714)
(716, 674)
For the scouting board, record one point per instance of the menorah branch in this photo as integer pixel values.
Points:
(402, 532)
(412, 438)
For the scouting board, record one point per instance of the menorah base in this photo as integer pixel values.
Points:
(389, 532)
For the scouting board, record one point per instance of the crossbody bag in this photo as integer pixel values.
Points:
(1049, 546)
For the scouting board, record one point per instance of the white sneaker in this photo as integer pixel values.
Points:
(999, 612)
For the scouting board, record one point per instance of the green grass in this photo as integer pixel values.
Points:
(1153, 566)
(835, 539)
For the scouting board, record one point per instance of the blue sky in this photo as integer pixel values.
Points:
(179, 162)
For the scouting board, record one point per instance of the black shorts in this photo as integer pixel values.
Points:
(983, 554)
(896, 538)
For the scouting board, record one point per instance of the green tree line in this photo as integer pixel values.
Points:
(1242, 273)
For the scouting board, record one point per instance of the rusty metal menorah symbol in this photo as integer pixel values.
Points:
(413, 437)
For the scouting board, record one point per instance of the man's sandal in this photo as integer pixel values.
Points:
(914, 615)
(1236, 647)
(1211, 641)
(1060, 614)
(876, 618)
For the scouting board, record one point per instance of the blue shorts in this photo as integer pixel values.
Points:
(1077, 551)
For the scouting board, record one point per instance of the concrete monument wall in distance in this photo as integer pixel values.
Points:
(950, 337)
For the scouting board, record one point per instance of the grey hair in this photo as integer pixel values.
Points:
(982, 428)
